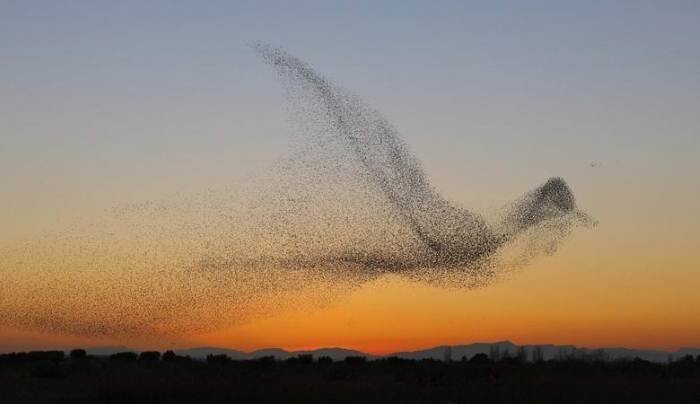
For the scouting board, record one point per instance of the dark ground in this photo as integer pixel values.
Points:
(129, 378)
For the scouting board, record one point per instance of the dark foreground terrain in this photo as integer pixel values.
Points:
(154, 378)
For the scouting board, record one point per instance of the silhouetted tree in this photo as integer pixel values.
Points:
(683, 367)
(495, 353)
(77, 354)
(356, 360)
(268, 359)
(562, 355)
(537, 354)
(149, 356)
(169, 356)
(600, 355)
(357, 379)
(221, 358)
(53, 356)
(506, 354)
(304, 359)
(447, 354)
(480, 359)
(124, 356)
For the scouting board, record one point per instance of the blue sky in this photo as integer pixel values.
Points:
(106, 102)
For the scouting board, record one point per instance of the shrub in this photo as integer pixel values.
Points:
(124, 357)
(78, 354)
(149, 356)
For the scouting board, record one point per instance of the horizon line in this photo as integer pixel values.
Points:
(292, 350)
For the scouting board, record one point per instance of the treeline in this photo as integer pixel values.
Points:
(55, 376)
(519, 357)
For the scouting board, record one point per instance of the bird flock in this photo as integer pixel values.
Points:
(347, 205)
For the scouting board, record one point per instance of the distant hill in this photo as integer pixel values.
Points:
(549, 351)
(276, 352)
(456, 352)
(334, 353)
(107, 350)
(202, 352)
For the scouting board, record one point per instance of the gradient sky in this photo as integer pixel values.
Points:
(105, 103)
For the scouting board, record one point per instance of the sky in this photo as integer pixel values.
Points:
(110, 103)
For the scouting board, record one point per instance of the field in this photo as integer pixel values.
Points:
(53, 377)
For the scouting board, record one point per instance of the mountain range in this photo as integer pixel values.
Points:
(453, 352)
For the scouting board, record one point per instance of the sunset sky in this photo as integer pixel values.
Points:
(104, 104)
